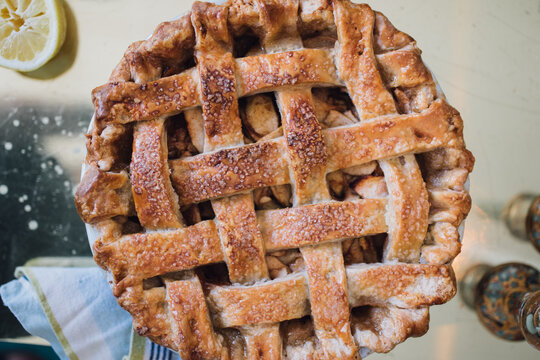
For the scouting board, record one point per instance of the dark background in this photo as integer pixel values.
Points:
(41, 150)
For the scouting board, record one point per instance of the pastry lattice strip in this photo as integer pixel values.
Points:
(241, 168)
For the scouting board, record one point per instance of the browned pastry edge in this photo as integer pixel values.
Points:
(104, 196)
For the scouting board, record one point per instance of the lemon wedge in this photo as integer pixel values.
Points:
(31, 32)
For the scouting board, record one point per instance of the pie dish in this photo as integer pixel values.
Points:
(276, 179)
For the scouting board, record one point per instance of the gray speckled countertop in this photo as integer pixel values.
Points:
(41, 148)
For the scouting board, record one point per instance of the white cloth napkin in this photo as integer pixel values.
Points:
(74, 310)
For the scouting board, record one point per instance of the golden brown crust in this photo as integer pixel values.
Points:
(230, 171)
(163, 273)
(142, 256)
(408, 199)
(391, 136)
(241, 239)
(304, 67)
(386, 36)
(149, 311)
(379, 329)
(122, 102)
(155, 201)
(316, 16)
(262, 342)
(404, 286)
(102, 195)
(192, 324)
(328, 221)
(216, 74)
(278, 20)
(152, 254)
(401, 285)
(356, 60)
(167, 48)
(108, 146)
(238, 306)
(243, 16)
(305, 146)
(307, 162)
(407, 215)
(404, 68)
(329, 299)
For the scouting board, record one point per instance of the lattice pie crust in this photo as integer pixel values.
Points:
(276, 179)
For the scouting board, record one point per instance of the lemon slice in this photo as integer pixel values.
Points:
(31, 32)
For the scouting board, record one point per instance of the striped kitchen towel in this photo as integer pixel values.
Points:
(74, 310)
